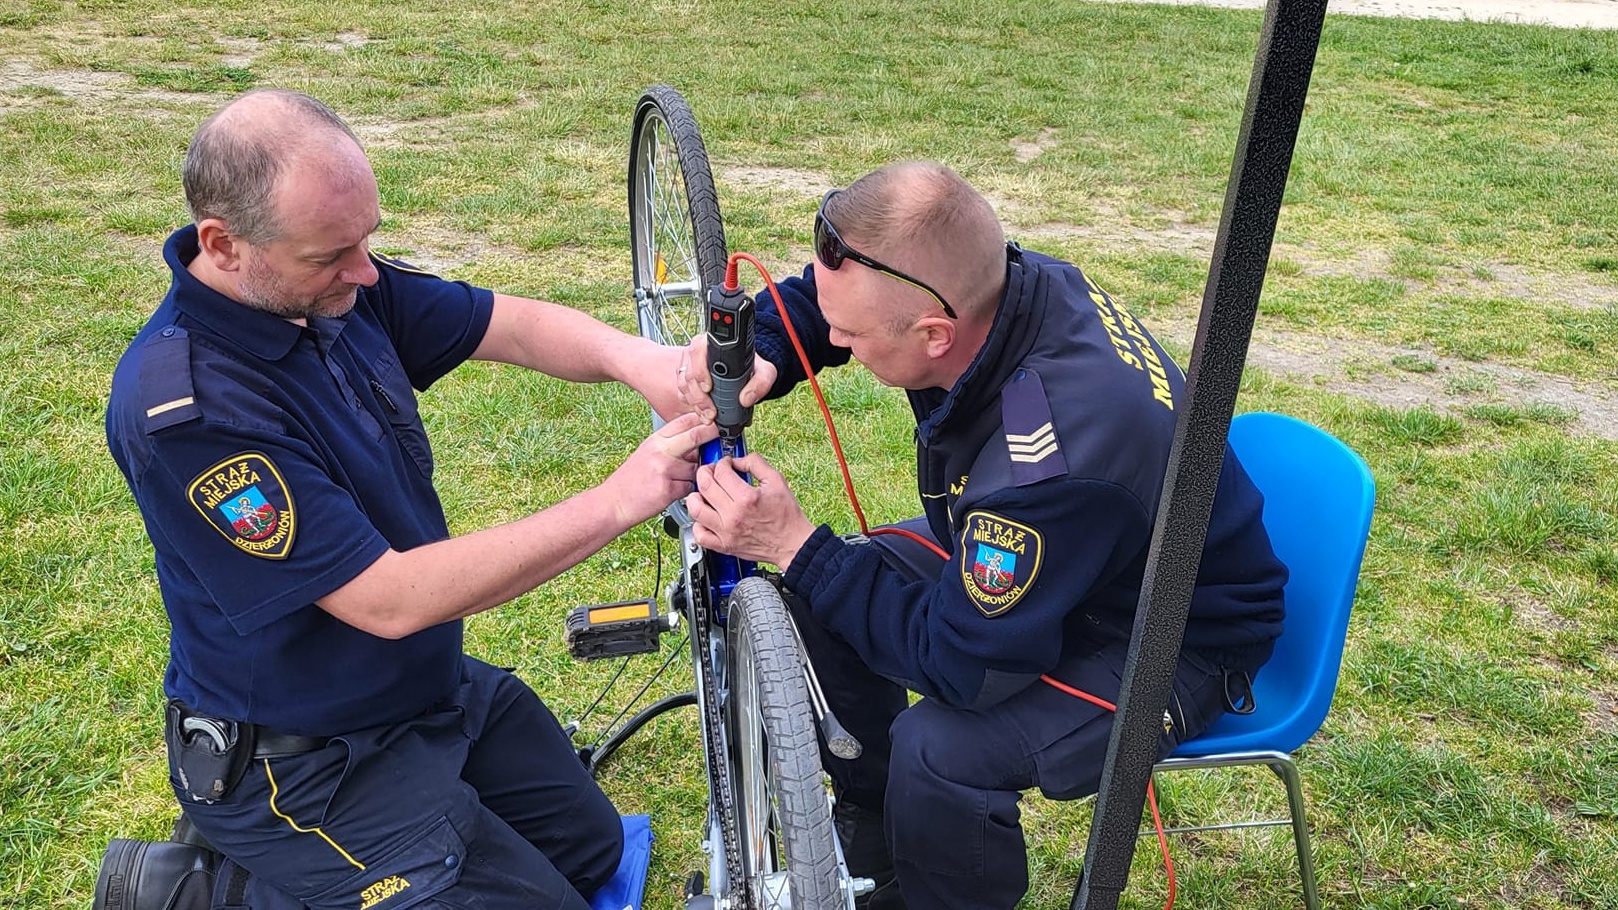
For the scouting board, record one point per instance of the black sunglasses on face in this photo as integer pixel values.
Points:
(831, 251)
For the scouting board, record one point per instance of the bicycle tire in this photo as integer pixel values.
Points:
(677, 237)
(786, 824)
(677, 241)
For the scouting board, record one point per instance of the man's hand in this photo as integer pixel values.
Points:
(654, 375)
(662, 469)
(763, 523)
(694, 385)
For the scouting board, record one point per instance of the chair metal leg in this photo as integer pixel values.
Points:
(1288, 772)
(1284, 768)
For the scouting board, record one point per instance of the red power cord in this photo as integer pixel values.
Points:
(731, 283)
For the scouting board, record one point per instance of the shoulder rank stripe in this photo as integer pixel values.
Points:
(170, 405)
(1031, 440)
(1032, 447)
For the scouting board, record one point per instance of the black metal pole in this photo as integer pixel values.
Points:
(1275, 97)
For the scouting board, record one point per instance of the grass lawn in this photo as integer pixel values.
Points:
(1443, 296)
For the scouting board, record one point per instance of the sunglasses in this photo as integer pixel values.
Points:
(831, 251)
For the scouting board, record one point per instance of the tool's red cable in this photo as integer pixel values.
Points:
(803, 358)
(1151, 795)
(853, 500)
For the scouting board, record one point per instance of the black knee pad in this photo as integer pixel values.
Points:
(161, 875)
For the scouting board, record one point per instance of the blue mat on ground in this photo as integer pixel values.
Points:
(628, 885)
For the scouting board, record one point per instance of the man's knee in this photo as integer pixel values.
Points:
(953, 820)
(953, 748)
(597, 835)
(930, 784)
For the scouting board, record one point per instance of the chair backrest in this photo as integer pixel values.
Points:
(1318, 497)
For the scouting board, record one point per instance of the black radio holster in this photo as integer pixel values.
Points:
(207, 755)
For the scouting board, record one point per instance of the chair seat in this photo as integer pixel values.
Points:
(1283, 726)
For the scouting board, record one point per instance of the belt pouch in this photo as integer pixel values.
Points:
(207, 755)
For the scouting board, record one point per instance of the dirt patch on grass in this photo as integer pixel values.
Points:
(22, 86)
(1369, 370)
(440, 250)
(1168, 232)
(240, 52)
(1534, 615)
(794, 180)
(1510, 281)
(1030, 148)
(1603, 715)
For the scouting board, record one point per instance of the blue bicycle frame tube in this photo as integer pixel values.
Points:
(725, 571)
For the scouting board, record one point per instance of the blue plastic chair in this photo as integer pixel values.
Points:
(1318, 497)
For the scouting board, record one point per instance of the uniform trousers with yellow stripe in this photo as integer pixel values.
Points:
(480, 802)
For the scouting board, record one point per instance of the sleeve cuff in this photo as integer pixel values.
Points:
(810, 562)
(778, 350)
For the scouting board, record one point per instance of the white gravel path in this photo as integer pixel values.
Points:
(1560, 13)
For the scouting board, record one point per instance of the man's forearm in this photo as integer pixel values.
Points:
(404, 592)
(559, 341)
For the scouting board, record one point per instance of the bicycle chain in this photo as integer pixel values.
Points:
(719, 757)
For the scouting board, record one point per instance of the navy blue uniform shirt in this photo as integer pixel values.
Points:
(273, 463)
(1040, 472)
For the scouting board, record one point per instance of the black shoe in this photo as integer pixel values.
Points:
(866, 850)
(161, 875)
(187, 833)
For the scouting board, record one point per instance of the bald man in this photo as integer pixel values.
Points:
(325, 730)
(1045, 414)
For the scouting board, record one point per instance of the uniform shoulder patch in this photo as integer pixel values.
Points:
(1031, 442)
(246, 499)
(1000, 559)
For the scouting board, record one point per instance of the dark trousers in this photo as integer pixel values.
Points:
(948, 781)
(482, 802)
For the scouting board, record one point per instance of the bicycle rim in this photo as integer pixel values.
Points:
(676, 235)
(789, 849)
(677, 241)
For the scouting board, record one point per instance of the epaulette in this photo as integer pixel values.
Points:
(165, 380)
(1025, 412)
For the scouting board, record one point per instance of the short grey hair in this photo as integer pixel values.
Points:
(897, 210)
(233, 162)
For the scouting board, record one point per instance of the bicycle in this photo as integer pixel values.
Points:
(769, 832)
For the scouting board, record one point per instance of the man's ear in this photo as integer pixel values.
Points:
(223, 248)
(938, 333)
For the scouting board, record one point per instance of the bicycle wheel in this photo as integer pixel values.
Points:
(678, 243)
(789, 848)
(676, 235)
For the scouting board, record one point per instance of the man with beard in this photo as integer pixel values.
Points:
(325, 731)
